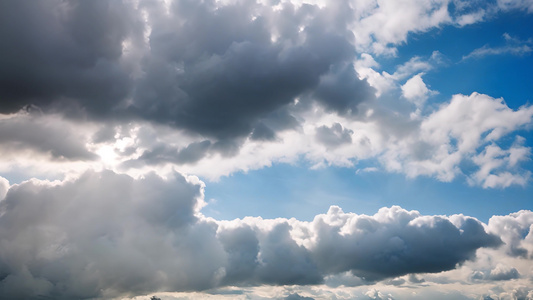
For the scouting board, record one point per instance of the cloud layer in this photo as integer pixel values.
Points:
(114, 105)
(138, 86)
(106, 235)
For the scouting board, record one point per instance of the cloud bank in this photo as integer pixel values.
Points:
(135, 86)
(107, 235)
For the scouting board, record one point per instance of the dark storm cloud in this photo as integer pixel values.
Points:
(217, 71)
(63, 51)
(339, 87)
(211, 69)
(263, 132)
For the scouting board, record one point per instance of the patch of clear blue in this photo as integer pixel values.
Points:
(295, 191)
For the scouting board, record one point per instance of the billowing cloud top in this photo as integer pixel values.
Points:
(106, 234)
(155, 85)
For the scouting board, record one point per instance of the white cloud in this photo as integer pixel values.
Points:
(416, 91)
(513, 46)
(471, 18)
(485, 51)
(516, 4)
(382, 23)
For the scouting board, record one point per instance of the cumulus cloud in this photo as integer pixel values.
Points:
(193, 65)
(416, 91)
(516, 232)
(30, 130)
(458, 129)
(143, 88)
(334, 136)
(104, 234)
(156, 85)
(64, 52)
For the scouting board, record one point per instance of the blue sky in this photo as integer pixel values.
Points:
(291, 149)
(272, 193)
(292, 190)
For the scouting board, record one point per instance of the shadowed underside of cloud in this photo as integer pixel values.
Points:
(209, 68)
(105, 234)
(273, 82)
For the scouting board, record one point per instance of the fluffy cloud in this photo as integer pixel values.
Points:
(29, 131)
(104, 234)
(193, 65)
(515, 231)
(465, 129)
(187, 84)
(135, 90)
(415, 90)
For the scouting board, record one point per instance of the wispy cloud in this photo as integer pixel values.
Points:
(513, 46)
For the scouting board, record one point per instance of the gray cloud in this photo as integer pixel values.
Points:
(297, 297)
(108, 235)
(212, 69)
(42, 134)
(333, 136)
(504, 274)
(499, 273)
(166, 154)
(64, 52)
(375, 249)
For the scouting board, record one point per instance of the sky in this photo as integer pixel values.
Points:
(266, 149)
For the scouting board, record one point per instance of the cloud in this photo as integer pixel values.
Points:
(377, 295)
(151, 86)
(459, 128)
(29, 130)
(515, 231)
(297, 297)
(381, 23)
(416, 91)
(396, 242)
(105, 235)
(193, 65)
(513, 46)
(521, 4)
(502, 272)
(65, 53)
(471, 18)
(334, 136)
